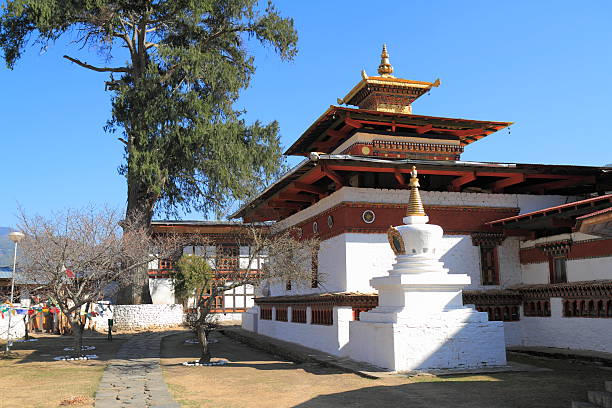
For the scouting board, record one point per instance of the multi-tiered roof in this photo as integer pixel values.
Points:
(375, 145)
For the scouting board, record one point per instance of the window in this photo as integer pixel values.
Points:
(265, 313)
(281, 314)
(288, 285)
(323, 316)
(227, 257)
(489, 269)
(558, 272)
(298, 314)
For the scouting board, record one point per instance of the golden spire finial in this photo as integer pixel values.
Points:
(385, 68)
(415, 205)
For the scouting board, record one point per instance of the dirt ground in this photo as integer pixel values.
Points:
(257, 379)
(35, 380)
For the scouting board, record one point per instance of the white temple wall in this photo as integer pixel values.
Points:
(509, 262)
(348, 261)
(162, 291)
(332, 271)
(460, 256)
(535, 273)
(589, 269)
(580, 333)
(526, 203)
(368, 256)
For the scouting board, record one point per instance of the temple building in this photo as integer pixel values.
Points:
(535, 240)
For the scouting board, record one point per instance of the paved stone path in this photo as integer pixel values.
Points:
(134, 377)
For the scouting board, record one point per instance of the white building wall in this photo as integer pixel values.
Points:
(535, 273)
(162, 291)
(589, 269)
(348, 261)
(509, 262)
(577, 270)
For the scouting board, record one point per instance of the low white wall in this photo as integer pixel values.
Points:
(578, 333)
(141, 317)
(17, 330)
(330, 339)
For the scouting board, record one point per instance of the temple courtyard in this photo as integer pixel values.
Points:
(145, 370)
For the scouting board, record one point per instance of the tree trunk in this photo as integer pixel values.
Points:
(140, 210)
(204, 347)
(77, 330)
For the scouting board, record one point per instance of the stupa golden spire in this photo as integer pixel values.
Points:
(415, 205)
(385, 69)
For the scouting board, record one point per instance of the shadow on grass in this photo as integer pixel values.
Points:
(567, 382)
(236, 353)
(49, 346)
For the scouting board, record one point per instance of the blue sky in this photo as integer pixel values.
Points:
(545, 65)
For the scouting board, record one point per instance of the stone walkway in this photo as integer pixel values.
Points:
(134, 377)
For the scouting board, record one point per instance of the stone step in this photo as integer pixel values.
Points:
(601, 398)
(609, 386)
(577, 404)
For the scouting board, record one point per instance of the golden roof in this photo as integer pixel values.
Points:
(385, 83)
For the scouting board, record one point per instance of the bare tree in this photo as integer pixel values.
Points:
(81, 256)
(273, 257)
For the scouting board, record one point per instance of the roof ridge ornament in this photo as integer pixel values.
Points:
(385, 69)
(415, 205)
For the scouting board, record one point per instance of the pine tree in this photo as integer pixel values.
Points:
(186, 146)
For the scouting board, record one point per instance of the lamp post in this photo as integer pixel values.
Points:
(14, 236)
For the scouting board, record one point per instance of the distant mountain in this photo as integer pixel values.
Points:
(6, 247)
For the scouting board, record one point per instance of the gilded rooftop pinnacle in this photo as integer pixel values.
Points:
(415, 205)
(385, 69)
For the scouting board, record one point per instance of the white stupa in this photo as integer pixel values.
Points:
(420, 322)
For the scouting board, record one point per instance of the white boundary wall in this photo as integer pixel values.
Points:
(141, 317)
(330, 339)
(17, 330)
(579, 333)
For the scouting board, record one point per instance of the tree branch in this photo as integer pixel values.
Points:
(97, 69)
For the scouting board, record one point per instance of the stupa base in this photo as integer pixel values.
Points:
(459, 338)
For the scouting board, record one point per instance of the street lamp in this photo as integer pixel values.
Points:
(14, 236)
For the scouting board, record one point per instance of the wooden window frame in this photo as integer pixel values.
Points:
(552, 268)
(298, 315)
(486, 269)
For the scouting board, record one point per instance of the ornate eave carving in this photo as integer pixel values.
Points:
(487, 239)
(557, 248)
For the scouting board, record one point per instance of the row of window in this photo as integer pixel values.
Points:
(320, 316)
(597, 308)
(501, 313)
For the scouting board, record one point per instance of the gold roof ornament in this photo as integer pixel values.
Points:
(415, 205)
(385, 69)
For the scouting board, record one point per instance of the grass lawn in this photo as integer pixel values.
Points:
(256, 379)
(34, 379)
